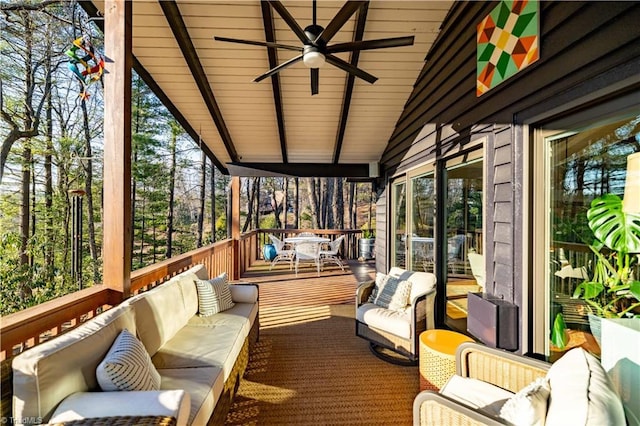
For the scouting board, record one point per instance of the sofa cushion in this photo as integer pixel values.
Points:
(392, 321)
(213, 295)
(202, 347)
(581, 392)
(160, 313)
(242, 315)
(204, 384)
(127, 366)
(188, 287)
(528, 407)
(48, 373)
(477, 394)
(83, 405)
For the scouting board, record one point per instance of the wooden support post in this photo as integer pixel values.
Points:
(235, 225)
(117, 146)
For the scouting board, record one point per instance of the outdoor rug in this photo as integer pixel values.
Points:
(313, 370)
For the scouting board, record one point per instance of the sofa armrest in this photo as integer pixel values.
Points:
(244, 292)
(498, 367)
(363, 291)
(434, 409)
(83, 405)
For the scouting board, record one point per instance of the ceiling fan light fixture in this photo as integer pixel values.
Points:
(313, 59)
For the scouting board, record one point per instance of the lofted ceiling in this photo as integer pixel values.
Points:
(276, 126)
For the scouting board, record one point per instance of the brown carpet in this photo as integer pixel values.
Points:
(309, 368)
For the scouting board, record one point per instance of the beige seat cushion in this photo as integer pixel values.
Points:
(582, 393)
(395, 322)
(204, 385)
(242, 315)
(83, 405)
(477, 394)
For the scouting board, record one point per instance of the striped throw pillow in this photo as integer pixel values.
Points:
(394, 294)
(214, 295)
(127, 366)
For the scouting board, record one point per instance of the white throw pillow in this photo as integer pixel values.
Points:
(214, 295)
(127, 366)
(381, 279)
(528, 407)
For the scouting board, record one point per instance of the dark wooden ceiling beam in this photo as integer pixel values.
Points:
(353, 170)
(270, 36)
(176, 23)
(93, 12)
(348, 91)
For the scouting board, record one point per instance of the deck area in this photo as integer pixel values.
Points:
(287, 299)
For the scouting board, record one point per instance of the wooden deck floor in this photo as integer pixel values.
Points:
(311, 296)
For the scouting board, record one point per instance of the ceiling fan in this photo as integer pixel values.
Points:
(315, 50)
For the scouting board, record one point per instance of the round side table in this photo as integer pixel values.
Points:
(437, 357)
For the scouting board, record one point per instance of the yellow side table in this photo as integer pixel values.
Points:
(437, 357)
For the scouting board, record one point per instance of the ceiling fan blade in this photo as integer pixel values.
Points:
(340, 19)
(315, 80)
(382, 43)
(259, 43)
(334, 60)
(289, 20)
(278, 68)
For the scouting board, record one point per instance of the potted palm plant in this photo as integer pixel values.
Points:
(613, 290)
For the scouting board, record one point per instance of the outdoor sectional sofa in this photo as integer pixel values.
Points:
(200, 360)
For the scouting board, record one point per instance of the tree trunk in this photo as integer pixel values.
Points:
(338, 204)
(213, 203)
(314, 202)
(48, 177)
(352, 205)
(25, 210)
(203, 182)
(87, 164)
(251, 196)
(296, 213)
(286, 201)
(172, 187)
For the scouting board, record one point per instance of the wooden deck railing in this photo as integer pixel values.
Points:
(31, 326)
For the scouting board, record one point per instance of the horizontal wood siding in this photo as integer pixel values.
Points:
(586, 47)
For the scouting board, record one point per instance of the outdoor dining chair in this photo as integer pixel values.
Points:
(282, 252)
(332, 255)
(307, 252)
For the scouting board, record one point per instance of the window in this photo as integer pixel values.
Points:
(582, 161)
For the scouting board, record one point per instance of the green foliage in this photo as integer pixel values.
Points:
(559, 335)
(612, 291)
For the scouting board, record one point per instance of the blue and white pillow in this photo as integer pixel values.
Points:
(127, 366)
(214, 295)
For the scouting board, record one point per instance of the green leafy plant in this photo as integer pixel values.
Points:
(613, 291)
(559, 334)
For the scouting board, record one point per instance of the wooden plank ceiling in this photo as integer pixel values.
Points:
(276, 125)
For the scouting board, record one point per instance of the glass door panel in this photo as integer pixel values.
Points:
(399, 225)
(423, 209)
(465, 267)
(582, 165)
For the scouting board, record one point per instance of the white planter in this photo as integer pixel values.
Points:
(620, 357)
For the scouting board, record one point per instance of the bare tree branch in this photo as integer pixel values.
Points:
(18, 6)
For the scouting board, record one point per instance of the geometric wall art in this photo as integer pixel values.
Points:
(508, 41)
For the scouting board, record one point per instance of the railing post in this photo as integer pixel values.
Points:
(117, 146)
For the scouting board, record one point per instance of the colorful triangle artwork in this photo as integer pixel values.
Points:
(508, 40)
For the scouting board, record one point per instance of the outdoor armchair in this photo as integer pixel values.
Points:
(332, 254)
(496, 387)
(307, 252)
(396, 327)
(283, 253)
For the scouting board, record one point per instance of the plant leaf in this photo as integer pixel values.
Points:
(619, 231)
(559, 335)
(634, 288)
(591, 289)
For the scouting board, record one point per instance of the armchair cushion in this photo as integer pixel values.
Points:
(477, 394)
(397, 322)
(582, 393)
